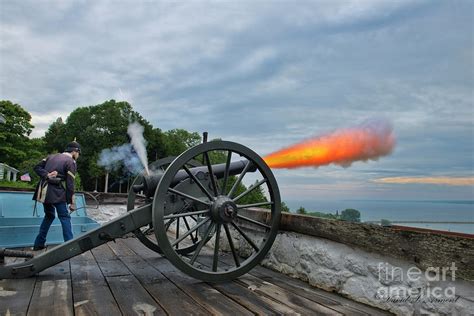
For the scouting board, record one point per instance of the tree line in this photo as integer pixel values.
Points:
(95, 127)
(350, 214)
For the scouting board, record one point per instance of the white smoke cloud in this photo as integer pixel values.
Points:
(135, 131)
(116, 157)
(132, 156)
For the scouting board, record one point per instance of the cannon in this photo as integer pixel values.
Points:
(191, 214)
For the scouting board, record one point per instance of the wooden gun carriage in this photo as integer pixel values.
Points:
(189, 203)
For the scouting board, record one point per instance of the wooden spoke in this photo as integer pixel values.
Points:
(250, 241)
(211, 173)
(188, 196)
(194, 238)
(190, 231)
(199, 184)
(185, 214)
(253, 221)
(203, 241)
(231, 244)
(216, 248)
(177, 230)
(226, 175)
(239, 179)
(254, 205)
(253, 187)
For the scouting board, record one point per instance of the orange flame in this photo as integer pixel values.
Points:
(371, 140)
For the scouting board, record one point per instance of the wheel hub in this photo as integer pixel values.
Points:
(224, 210)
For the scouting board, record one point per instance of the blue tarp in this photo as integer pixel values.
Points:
(19, 226)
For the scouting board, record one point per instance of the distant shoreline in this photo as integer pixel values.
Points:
(428, 214)
(414, 201)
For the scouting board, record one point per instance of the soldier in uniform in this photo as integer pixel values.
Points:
(56, 190)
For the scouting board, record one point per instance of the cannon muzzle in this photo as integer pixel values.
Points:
(151, 182)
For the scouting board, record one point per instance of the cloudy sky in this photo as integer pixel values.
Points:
(265, 74)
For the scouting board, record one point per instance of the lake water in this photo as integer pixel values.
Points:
(375, 210)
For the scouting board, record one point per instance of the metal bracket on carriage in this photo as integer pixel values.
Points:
(106, 236)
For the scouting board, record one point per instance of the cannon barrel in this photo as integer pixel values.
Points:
(151, 182)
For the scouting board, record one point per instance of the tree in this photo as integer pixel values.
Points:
(94, 170)
(35, 153)
(14, 133)
(323, 215)
(385, 222)
(55, 137)
(350, 215)
(178, 140)
(96, 128)
(255, 196)
(156, 148)
(301, 210)
(78, 182)
(284, 207)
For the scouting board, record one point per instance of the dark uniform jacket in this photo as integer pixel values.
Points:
(56, 191)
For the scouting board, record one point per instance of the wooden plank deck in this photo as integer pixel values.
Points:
(126, 278)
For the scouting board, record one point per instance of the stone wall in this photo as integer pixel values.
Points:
(368, 277)
(368, 267)
(424, 249)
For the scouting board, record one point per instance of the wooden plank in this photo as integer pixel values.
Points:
(259, 304)
(287, 297)
(60, 271)
(252, 297)
(207, 296)
(91, 293)
(120, 249)
(52, 294)
(130, 296)
(103, 253)
(248, 298)
(332, 300)
(15, 295)
(109, 263)
(171, 298)
(272, 292)
(328, 299)
(299, 304)
(84, 267)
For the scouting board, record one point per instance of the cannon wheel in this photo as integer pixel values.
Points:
(219, 211)
(142, 233)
